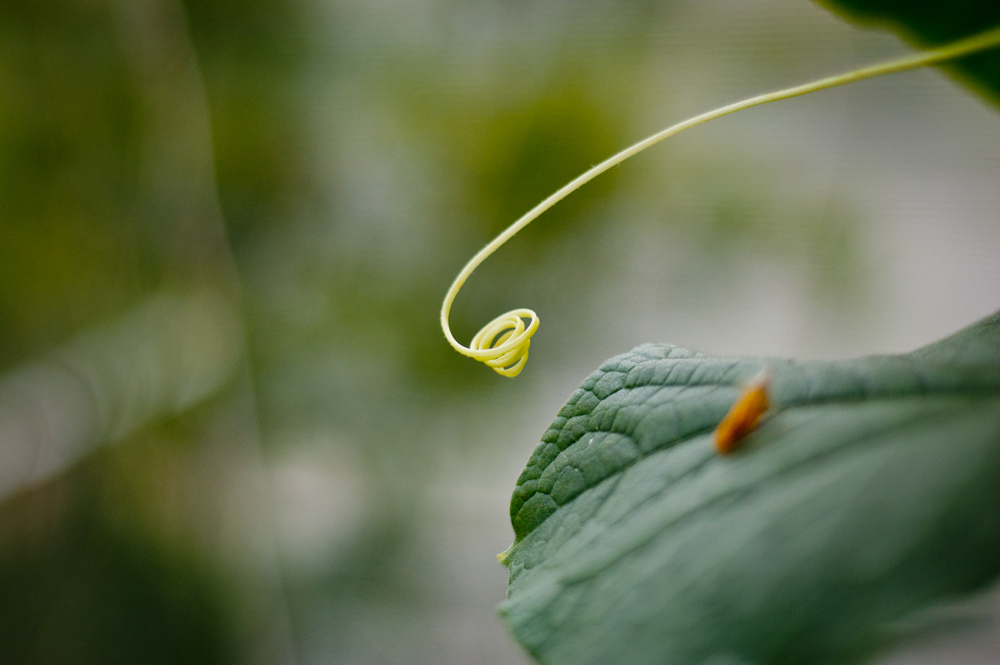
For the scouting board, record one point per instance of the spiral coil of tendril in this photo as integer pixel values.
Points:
(503, 342)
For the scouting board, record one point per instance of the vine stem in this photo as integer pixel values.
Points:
(503, 343)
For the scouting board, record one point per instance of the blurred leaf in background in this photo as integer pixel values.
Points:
(934, 23)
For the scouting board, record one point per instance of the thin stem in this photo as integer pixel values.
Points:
(512, 337)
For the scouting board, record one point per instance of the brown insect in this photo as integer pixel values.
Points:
(744, 416)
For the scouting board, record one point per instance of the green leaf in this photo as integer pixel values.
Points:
(931, 23)
(871, 490)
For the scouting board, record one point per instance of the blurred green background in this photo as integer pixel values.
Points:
(230, 428)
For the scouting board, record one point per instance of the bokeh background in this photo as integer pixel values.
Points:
(230, 428)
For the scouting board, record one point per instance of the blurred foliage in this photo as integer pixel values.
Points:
(250, 54)
(74, 245)
(80, 589)
(83, 238)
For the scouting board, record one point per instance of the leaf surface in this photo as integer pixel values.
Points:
(932, 23)
(871, 490)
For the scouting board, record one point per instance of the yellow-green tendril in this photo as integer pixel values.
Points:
(503, 343)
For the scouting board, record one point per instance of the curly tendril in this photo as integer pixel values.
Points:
(503, 342)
